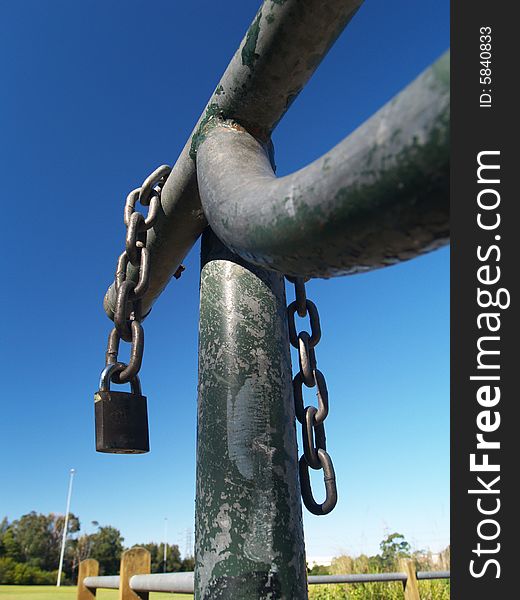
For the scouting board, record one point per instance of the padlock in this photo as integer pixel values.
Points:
(121, 417)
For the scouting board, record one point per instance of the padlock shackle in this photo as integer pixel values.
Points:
(110, 370)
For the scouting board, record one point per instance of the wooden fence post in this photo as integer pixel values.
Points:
(87, 568)
(136, 561)
(411, 585)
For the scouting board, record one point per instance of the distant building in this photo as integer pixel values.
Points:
(319, 560)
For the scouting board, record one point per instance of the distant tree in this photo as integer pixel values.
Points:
(359, 564)
(4, 526)
(393, 548)
(173, 557)
(445, 558)
(32, 535)
(29, 548)
(106, 547)
(35, 539)
(188, 563)
(14, 573)
(7, 570)
(57, 524)
(9, 547)
(79, 549)
(318, 570)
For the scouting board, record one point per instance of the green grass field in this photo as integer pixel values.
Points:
(49, 592)
(430, 590)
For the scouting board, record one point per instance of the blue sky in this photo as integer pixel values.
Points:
(94, 96)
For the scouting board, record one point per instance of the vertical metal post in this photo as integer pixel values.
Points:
(248, 524)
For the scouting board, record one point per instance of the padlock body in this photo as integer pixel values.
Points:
(121, 422)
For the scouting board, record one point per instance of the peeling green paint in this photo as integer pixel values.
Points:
(249, 55)
(257, 98)
(213, 111)
(249, 534)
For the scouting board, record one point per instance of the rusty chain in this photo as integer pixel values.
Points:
(312, 419)
(128, 309)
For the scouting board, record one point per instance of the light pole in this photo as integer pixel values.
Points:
(65, 527)
(165, 546)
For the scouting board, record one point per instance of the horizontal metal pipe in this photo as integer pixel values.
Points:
(356, 578)
(280, 51)
(180, 583)
(374, 577)
(433, 575)
(110, 582)
(379, 197)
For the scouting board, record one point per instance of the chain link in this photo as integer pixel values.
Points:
(128, 307)
(312, 419)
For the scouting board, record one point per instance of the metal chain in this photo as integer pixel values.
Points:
(128, 309)
(312, 419)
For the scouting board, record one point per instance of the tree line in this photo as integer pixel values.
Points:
(30, 550)
(392, 549)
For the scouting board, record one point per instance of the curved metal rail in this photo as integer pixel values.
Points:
(379, 197)
(280, 51)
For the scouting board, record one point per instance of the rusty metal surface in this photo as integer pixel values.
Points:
(121, 418)
(280, 51)
(249, 534)
(312, 419)
(379, 197)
